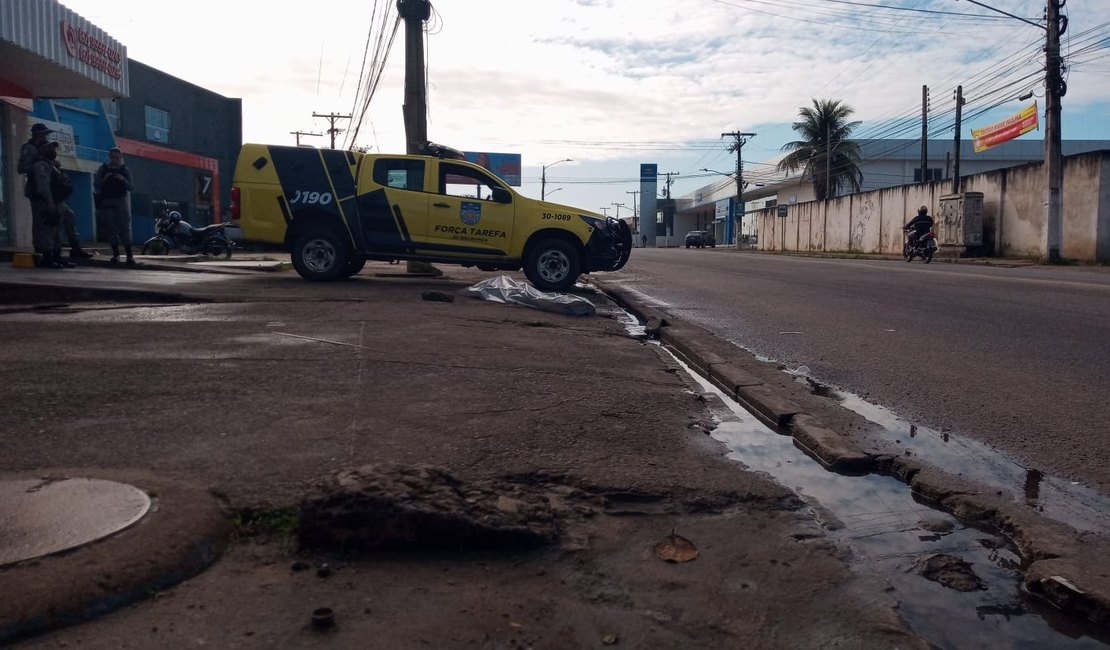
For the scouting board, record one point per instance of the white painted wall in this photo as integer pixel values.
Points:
(1013, 208)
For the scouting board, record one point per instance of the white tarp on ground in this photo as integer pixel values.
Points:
(507, 290)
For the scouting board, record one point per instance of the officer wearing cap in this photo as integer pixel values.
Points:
(30, 152)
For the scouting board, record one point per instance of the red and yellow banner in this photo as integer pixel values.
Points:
(1006, 130)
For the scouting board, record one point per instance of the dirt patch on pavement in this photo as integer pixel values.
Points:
(564, 427)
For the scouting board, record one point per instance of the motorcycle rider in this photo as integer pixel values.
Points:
(919, 225)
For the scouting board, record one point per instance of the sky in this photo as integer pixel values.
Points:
(611, 84)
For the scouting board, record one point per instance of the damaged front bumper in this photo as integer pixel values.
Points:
(609, 246)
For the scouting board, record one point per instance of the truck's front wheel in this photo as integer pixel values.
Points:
(553, 265)
(320, 255)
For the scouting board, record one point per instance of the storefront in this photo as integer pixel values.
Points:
(48, 51)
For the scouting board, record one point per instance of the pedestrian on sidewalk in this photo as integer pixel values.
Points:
(45, 215)
(113, 183)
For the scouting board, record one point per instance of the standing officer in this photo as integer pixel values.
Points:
(44, 209)
(113, 183)
(28, 154)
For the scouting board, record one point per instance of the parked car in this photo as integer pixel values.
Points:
(701, 239)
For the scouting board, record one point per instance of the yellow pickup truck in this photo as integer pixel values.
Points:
(333, 210)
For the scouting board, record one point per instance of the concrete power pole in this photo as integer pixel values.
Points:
(1055, 88)
(956, 162)
(635, 211)
(331, 118)
(924, 134)
(738, 146)
(298, 135)
(415, 109)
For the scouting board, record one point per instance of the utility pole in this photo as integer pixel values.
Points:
(956, 161)
(669, 181)
(604, 210)
(741, 140)
(298, 135)
(635, 211)
(331, 118)
(415, 108)
(924, 133)
(1055, 88)
(618, 206)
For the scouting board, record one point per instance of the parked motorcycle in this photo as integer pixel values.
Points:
(174, 233)
(924, 247)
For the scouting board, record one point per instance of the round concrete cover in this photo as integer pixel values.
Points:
(43, 516)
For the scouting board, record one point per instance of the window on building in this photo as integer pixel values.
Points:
(111, 111)
(157, 125)
(934, 174)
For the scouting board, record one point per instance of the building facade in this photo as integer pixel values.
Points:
(179, 140)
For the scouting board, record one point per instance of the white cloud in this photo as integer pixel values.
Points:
(584, 79)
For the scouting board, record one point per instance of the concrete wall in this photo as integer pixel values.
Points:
(1013, 214)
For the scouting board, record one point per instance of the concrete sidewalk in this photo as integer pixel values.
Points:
(521, 469)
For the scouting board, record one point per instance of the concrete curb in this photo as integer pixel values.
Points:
(21, 293)
(1058, 558)
(178, 539)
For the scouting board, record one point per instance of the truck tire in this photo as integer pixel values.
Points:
(320, 255)
(354, 265)
(553, 265)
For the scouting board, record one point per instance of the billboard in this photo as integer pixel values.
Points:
(505, 166)
(1006, 130)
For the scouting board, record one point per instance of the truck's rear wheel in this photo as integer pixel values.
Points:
(553, 265)
(354, 265)
(320, 255)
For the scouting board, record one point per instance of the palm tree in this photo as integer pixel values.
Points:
(825, 153)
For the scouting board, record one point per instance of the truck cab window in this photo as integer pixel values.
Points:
(466, 183)
(400, 173)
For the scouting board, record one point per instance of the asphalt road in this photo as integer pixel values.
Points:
(1017, 358)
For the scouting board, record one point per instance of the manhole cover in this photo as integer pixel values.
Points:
(43, 516)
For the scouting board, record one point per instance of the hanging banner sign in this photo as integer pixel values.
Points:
(1006, 130)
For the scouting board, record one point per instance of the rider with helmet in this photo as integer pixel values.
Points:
(919, 225)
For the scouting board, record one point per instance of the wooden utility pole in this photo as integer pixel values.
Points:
(738, 146)
(415, 109)
(332, 118)
(924, 134)
(298, 135)
(956, 153)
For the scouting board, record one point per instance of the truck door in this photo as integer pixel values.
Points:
(393, 203)
(471, 212)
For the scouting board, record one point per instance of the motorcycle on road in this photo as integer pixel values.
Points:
(172, 233)
(923, 246)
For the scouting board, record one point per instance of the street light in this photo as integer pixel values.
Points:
(556, 190)
(543, 176)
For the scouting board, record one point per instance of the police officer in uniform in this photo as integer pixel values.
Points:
(28, 154)
(113, 183)
(45, 214)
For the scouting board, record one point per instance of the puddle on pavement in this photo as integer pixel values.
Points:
(888, 530)
(1059, 499)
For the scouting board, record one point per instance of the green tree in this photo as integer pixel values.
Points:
(825, 152)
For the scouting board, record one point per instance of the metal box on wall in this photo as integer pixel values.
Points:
(961, 220)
